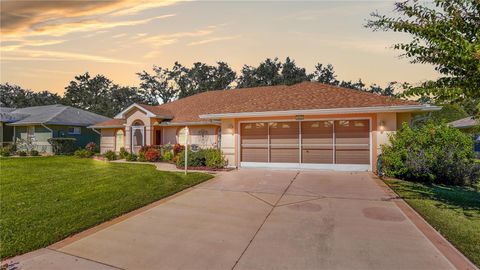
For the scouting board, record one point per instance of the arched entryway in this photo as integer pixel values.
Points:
(138, 135)
(119, 140)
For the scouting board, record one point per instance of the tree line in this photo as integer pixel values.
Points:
(444, 34)
(100, 95)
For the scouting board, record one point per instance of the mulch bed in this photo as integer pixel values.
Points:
(205, 169)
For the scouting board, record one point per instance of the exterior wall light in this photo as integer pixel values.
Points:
(381, 126)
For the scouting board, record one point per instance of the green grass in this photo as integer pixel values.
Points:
(453, 211)
(46, 199)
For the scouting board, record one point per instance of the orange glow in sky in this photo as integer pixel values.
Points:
(44, 44)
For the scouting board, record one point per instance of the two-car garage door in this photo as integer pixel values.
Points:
(332, 144)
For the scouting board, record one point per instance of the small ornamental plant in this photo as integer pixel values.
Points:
(177, 148)
(110, 155)
(91, 146)
(153, 155)
(123, 153)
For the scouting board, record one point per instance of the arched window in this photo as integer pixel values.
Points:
(119, 140)
(138, 123)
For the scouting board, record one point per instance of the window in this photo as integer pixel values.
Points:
(74, 130)
(30, 132)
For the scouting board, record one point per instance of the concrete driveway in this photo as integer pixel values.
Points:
(259, 219)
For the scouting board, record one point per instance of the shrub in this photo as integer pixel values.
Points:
(62, 146)
(167, 147)
(432, 154)
(214, 158)
(91, 146)
(22, 153)
(34, 153)
(167, 156)
(153, 155)
(141, 157)
(4, 152)
(177, 148)
(123, 153)
(110, 155)
(83, 153)
(7, 150)
(130, 157)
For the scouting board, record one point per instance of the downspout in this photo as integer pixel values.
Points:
(49, 129)
(96, 131)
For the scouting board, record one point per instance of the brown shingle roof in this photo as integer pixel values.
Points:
(301, 96)
(111, 123)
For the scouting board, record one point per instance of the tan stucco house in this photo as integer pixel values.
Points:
(307, 125)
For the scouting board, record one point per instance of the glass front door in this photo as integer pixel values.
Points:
(138, 138)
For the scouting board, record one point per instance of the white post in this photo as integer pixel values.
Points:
(186, 149)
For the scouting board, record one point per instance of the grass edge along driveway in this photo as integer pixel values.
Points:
(452, 211)
(46, 199)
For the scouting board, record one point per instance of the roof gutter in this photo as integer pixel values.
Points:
(113, 126)
(378, 109)
(167, 124)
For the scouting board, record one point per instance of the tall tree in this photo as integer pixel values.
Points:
(292, 74)
(155, 87)
(16, 97)
(445, 35)
(89, 93)
(123, 96)
(325, 74)
(201, 78)
(272, 72)
(99, 95)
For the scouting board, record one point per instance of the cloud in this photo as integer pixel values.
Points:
(20, 18)
(210, 40)
(54, 29)
(167, 39)
(44, 55)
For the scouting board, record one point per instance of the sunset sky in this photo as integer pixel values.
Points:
(44, 44)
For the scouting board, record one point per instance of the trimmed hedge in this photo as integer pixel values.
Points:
(62, 146)
(211, 158)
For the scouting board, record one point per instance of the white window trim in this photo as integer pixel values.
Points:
(74, 131)
(28, 133)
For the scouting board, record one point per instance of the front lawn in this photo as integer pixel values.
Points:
(453, 211)
(45, 199)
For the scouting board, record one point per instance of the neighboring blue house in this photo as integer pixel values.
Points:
(469, 125)
(38, 124)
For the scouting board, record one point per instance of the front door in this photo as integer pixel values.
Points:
(138, 138)
(158, 137)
